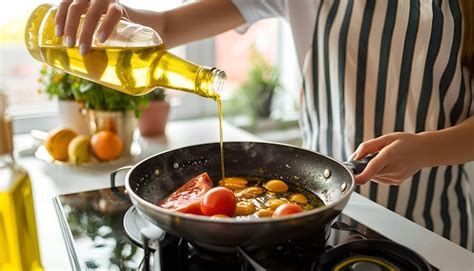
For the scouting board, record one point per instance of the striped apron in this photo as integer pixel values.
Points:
(382, 66)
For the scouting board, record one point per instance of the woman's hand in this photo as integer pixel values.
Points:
(69, 14)
(400, 155)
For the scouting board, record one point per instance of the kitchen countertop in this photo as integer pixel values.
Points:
(50, 180)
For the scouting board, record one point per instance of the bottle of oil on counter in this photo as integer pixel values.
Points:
(18, 238)
(133, 60)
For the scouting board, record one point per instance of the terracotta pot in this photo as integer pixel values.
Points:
(153, 119)
(69, 115)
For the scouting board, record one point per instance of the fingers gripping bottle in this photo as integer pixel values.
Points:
(133, 60)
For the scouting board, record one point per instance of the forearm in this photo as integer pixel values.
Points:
(450, 146)
(190, 22)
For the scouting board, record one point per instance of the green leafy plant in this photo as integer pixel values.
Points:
(98, 97)
(92, 95)
(257, 92)
(56, 84)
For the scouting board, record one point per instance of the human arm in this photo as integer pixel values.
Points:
(400, 155)
(190, 22)
(193, 21)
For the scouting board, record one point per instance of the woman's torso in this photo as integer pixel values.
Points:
(374, 67)
(388, 66)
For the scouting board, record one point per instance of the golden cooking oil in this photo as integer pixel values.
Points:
(135, 70)
(19, 248)
(221, 139)
(132, 67)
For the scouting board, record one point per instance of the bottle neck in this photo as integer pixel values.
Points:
(7, 162)
(6, 137)
(6, 158)
(7, 172)
(210, 82)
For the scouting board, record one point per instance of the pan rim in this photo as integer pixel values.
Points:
(206, 219)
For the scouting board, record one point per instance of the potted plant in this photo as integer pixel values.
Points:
(256, 94)
(154, 114)
(57, 85)
(108, 109)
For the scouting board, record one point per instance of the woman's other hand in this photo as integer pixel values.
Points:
(69, 14)
(400, 155)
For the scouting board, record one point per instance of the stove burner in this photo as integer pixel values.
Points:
(214, 253)
(379, 253)
(133, 223)
(295, 255)
(178, 254)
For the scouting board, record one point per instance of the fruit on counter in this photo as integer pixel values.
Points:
(79, 150)
(106, 145)
(57, 143)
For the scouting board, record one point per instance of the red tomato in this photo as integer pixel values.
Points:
(287, 209)
(219, 201)
(188, 197)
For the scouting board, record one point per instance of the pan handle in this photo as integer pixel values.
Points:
(357, 166)
(114, 189)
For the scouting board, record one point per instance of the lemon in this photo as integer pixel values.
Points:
(79, 150)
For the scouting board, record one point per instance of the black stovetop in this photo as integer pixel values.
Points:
(92, 224)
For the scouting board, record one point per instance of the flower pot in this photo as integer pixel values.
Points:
(69, 114)
(153, 118)
(120, 122)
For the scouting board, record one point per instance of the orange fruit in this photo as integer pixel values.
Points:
(106, 145)
(57, 143)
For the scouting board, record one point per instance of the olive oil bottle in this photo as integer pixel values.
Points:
(19, 248)
(133, 60)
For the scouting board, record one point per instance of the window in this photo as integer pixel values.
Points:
(229, 51)
(272, 39)
(19, 72)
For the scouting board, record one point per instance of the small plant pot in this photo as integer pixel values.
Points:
(153, 119)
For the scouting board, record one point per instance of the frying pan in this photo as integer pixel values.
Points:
(158, 176)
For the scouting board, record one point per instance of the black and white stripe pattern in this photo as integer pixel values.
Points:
(380, 66)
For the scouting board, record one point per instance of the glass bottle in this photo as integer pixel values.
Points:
(19, 249)
(133, 60)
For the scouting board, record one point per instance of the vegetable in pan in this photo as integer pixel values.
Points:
(187, 199)
(241, 198)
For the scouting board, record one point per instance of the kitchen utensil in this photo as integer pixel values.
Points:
(158, 176)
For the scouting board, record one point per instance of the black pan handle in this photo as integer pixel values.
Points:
(338, 225)
(357, 166)
(114, 189)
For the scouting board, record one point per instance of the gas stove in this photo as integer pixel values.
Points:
(103, 230)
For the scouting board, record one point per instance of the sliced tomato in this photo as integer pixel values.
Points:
(187, 199)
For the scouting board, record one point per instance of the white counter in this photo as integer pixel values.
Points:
(52, 180)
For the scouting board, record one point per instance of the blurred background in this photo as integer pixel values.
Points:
(260, 94)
